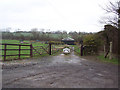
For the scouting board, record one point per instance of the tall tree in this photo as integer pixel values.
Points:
(35, 33)
(113, 18)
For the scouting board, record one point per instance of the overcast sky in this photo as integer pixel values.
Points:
(69, 15)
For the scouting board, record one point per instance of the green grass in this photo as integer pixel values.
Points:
(76, 48)
(113, 61)
(22, 47)
(50, 35)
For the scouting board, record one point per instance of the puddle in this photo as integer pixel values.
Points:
(70, 58)
(83, 59)
(99, 74)
(72, 61)
(90, 69)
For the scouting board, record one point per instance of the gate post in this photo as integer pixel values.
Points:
(19, 50)
(5, 51)
(81, 50)
(31, 50)
(49, 48)
(110, 57)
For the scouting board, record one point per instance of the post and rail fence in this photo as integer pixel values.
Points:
(33, 50)
(19, 50)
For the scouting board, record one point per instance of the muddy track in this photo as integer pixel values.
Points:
(62, 71)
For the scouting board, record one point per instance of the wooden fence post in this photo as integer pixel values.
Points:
(31, 50)
(110, 57)
(19, 50)
(5, 52)
(49, 48)
(81, 50)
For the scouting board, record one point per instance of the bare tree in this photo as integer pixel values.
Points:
(113, 11)
(113, 19)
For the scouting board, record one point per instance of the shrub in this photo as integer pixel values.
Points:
(91, 43)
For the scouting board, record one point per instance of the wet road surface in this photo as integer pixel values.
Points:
(62, 71)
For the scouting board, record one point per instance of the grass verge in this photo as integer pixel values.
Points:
(113, 60)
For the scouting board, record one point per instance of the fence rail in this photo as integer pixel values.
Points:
(19, 55)
(13, 44)
(40, 50)
(79, 49)
(56, 48)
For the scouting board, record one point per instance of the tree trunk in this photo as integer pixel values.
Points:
(106, 54)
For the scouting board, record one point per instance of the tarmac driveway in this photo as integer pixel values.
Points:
(62, 71)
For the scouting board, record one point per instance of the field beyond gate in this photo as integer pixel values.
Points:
(13, 49)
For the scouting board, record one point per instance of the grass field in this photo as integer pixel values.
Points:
(34, 44)
(76, 48)
(50, 35)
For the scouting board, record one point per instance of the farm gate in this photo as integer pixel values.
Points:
(19, 51)
(48, 49)
(85, 49)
